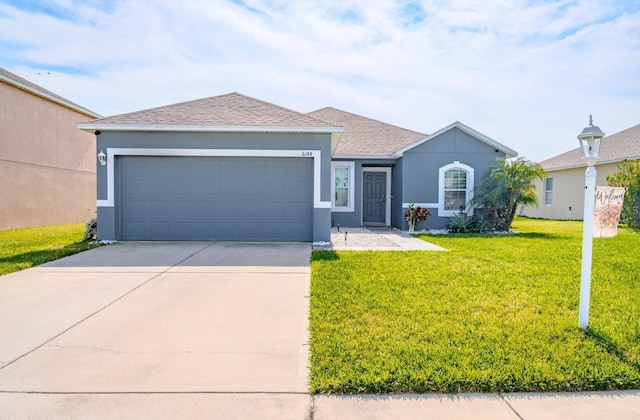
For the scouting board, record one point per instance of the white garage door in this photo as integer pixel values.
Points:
(215, 198)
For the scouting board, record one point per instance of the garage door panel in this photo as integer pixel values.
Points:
(296, 188)
(295, 231)
(297, 211)
(180, 209)
(156, 209)
(204, 188)
(204, 231)
(181, 187)
(230, 170)
(253, 188)
(275, 189)
(216, 198)
(276, 230)
(231, 188)
(180, 230)
(273, 210)
(157, 187)
(136, 229)
(134, 186)
(229, 209)
(240, 232)
(135, 209)
(157, 230)
(204, 209)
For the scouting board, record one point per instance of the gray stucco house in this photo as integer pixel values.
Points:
(232, 167)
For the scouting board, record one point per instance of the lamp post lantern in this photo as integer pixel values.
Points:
(590, 140)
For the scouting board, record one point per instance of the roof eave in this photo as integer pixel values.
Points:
(44, 95)
(93, 127)
(584, 164)
(367, 157)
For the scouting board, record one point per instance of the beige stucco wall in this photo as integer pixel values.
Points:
(47, 165)
(568, 190)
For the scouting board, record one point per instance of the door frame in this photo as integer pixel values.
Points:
(387, 213)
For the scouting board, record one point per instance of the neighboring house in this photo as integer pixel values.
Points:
(561, 193)
(232, 167)
(47, 166)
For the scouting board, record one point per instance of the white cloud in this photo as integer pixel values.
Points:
(525, 73)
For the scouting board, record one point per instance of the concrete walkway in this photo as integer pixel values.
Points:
(202, 330)
(375, 239)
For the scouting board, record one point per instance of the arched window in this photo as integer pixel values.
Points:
(455, 189)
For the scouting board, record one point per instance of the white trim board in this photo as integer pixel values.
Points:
(112, 152)
(425, 205)
(96, 126)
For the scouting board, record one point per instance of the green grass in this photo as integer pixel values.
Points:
(495, 313)
(28, 247)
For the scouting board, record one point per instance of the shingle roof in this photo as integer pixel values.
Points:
(616, 147)
(365, 136)
(229, 110)
(31, 87)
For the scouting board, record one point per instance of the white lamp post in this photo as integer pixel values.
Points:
(590, 139)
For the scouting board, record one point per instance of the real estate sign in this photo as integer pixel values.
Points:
(607, 211)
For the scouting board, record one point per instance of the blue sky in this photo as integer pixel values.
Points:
(525, 73)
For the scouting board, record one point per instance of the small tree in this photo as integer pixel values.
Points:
(505, 188)
(628, 176)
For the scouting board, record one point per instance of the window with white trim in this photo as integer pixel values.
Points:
(342, 190)
(455, 189)
(548, 191)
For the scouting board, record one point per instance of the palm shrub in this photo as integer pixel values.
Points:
(506, 187)
(465, 223)
(628, 176)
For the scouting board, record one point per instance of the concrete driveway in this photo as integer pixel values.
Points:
(149, 330)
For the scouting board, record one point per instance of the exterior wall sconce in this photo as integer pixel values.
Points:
(102, 158)
(590, 139)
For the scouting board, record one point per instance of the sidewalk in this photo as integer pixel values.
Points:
(618, 405)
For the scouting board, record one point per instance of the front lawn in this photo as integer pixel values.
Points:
(495, 313)
(28, 247)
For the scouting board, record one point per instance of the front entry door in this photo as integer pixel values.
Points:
(374, 198)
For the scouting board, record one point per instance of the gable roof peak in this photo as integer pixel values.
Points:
(470, 131)
(364, 136)
(232, 110)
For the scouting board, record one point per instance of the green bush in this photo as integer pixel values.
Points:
(464, 223)
(506, 187)
(628, 176)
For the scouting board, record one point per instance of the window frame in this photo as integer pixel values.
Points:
(548, 193)
(351, 167)
(442, 212)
